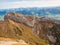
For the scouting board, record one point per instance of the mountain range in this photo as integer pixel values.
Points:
(34, 10)
(32, 30)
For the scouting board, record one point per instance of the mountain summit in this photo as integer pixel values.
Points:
(18, 18)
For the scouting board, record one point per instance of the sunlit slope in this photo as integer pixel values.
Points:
(15, 30)
(24, 32)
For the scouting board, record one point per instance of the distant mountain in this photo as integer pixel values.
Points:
(34, 10)
(53, 12)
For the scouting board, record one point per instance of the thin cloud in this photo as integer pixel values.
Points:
(25, 4)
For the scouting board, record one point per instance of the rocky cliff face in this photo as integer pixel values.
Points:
(18, 18)
(47, 28)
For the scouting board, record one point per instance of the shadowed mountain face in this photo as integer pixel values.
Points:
(38, 31)
(48, 29)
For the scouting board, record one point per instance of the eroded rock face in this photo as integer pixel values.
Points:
(46, 26)
(18, 18)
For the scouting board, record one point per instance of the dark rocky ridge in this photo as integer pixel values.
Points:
(45, 27)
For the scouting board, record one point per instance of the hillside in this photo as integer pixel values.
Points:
(17, 27)
(34, 31)
(45, 27)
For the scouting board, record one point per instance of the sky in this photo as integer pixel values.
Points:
(6, 4)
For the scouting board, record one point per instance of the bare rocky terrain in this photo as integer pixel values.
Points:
(33, 31)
